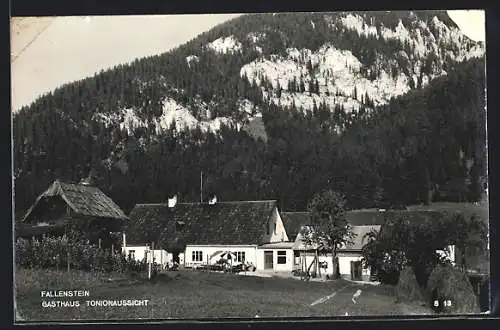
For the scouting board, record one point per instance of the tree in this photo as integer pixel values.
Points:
(329, 230)
(407, 242)
(468, 234)
(387, 254)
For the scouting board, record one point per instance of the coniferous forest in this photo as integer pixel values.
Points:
(426, 145)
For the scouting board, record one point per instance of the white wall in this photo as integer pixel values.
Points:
(208, 250)
(288, 267)
(170, 258)
(160, 256)
(276, 229)
(309, 258)
(344, 264)
(139, 251)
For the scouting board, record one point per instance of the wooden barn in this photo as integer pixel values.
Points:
(65, 204)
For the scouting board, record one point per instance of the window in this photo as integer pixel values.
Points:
(281, 257)
(268, 231)
(240, 256)
(131, 254)
(296, 255)
(197, 256)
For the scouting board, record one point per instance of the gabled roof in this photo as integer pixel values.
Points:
(224, 223)
(370, 217)
(82, 199)
(293, 221)
(359, 240)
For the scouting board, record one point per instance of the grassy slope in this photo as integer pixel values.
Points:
(190, 294)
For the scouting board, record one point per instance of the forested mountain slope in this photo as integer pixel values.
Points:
(387, 107)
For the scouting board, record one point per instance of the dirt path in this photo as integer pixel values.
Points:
(326, 298)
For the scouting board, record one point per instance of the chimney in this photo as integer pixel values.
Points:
(172, 201)
(89, 180)
(213, 200)
(84, 182)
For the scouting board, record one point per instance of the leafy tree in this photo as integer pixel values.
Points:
(386, 256)
(329, 229)
(407, 241)
(468, 234)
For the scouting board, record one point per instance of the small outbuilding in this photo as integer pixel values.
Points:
(65, 204)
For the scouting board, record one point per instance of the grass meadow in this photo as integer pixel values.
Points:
(188, 294)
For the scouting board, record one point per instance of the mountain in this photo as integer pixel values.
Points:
(273, 106)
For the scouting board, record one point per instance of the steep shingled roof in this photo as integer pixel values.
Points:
(293, 221)
(225, 223)
(82, 199)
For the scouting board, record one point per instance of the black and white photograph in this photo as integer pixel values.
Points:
(249, 166)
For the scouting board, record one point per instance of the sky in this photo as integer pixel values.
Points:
(47, 52)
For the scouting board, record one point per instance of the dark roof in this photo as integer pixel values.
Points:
(293, 221)
(225, 223)
(82, 199)
(359, 240)
(365, 217)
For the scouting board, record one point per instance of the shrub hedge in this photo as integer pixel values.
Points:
(53, 253)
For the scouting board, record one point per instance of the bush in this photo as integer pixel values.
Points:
(408, 288)
(449, 284)
(52, 253)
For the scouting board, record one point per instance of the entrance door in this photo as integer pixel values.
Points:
(356, 270)
(268, 260)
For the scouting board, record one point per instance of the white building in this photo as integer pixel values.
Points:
(141, 252)
(194, 234)
(349, 257)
